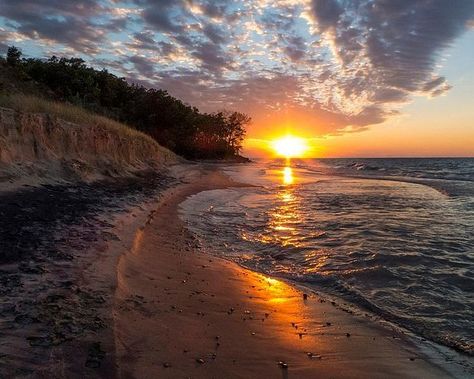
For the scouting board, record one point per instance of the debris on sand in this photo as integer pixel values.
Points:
(50, 236)
(283, 365)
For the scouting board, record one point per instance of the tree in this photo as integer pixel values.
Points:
(13, 56)
(235, 123)
(174, 124)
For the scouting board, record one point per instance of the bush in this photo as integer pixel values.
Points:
(13, 56)
(175, 125)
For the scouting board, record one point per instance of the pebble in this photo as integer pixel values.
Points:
(200, 361)
(312, 355)
(283, 365)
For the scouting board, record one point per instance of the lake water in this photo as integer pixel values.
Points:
(391, 236)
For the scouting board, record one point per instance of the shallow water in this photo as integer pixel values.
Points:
(392, 236)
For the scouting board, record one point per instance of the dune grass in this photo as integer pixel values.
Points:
(74, 114)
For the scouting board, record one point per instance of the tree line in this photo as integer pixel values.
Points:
(178, 126)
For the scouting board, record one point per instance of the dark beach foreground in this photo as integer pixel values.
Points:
(55, 305)
(104, 280)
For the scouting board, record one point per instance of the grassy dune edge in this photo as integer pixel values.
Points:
(58, 140)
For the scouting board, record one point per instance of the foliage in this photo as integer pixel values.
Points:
(73, 114)
(174, 124)
(13, 56)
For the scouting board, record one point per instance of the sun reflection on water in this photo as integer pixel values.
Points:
(288, 175)
(284, 218)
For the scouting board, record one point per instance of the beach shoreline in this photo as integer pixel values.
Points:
(130, 293)
(180, 312)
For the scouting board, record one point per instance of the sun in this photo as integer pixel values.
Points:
(290, 146)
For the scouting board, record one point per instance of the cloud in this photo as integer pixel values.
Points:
(396, 43)
(65, 22)
(212, 57)
(327, 13)
(215, 34)
(143, 65)
(189, 25)
(342, 64)
(216, 9)
(159, 16)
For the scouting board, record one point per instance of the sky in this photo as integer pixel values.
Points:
(355, 77)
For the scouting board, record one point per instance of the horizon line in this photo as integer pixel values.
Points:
(373, 157)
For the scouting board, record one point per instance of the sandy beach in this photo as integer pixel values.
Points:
(119, 288)
(236, 189)
(181, 313)
(60, 244)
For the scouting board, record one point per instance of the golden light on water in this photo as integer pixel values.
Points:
(288, 175)
(290, 146)
(284, 219)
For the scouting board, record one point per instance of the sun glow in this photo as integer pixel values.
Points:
(288, 175)
(290, 146)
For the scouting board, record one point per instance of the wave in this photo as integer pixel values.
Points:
(401, 251)
(429, 168)
(452, 177)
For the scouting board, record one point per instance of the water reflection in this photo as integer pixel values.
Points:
(288, 175)
(284, 218)
(396, 247)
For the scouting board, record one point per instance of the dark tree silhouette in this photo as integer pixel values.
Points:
(174, 124)
(13, 56)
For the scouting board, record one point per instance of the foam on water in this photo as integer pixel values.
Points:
(392, 236)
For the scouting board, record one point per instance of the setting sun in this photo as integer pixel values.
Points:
(290, 147)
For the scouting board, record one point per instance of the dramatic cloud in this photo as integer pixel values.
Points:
(66, 22)
(345, 64)
(395, 43)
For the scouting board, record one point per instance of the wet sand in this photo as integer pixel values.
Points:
(59, 247)
(180, 313)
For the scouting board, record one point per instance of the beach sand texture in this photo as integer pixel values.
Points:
(181, 313)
